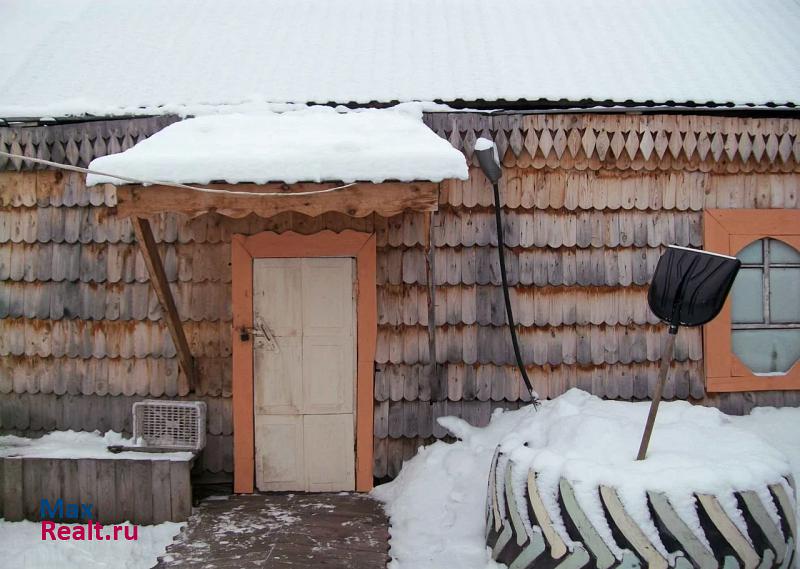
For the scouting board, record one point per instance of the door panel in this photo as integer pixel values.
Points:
(279, 389)
(327, 375)
(280, 458)
(330, 456)
(277, 298)
(327, 297)
(304, 373)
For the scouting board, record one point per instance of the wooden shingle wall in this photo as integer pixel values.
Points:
(75, 144)
(589, 204)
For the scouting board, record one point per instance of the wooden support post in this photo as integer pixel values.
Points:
(158, 278)
(438, 378)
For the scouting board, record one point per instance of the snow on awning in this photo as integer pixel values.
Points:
(318, 144)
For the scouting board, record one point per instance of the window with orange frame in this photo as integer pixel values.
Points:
(754, 344)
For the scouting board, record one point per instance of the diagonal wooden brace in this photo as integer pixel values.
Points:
(158, 279)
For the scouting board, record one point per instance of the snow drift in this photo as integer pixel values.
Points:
(437, 502)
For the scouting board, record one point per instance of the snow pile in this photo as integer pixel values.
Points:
(23, 547)
(72, 444)
(316, 144)
(437, 502)
(780, 427)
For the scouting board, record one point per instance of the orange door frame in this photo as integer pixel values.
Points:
(361, 247)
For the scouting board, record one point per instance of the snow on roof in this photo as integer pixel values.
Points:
(314, 145)
(107, 57)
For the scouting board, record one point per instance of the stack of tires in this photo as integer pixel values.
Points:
(529, 539)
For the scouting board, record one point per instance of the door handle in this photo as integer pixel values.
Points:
(262, 334)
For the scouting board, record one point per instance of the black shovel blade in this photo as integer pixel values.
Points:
(690, 286)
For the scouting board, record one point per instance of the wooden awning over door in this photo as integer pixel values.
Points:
(357, 200)
(238, 200)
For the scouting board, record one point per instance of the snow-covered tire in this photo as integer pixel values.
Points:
(768, 545)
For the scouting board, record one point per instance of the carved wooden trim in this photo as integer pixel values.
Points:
(75, 144)
(358, 201)
(629, 142)
(569, 140)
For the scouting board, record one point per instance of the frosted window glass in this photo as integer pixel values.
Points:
(752, 253)
(784, 295)
(767, 351)
(780, 252)
(748, 297)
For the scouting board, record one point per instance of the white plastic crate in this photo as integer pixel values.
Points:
(174, 425)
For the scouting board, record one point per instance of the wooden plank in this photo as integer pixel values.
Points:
(161, 491)
(70, 481)
(13, 508)
(105, 508)
(142, 492)
(242, 366)
(87, 481)
(2, 485)
(773, 221)
(31, 487)
(158, 280)
(366, 267)
(332, 530)
(51, 482)
(358, 200)
(123, 479)
(430, 271)
(180, 490)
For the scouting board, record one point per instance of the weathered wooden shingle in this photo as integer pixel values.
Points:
(647, 143)
(110, 262)
(75, 144)
(589, 203)
(47, 411)
(540, 345)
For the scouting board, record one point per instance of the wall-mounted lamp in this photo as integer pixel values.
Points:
(486, 151)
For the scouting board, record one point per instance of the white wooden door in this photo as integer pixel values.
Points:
(304, 368)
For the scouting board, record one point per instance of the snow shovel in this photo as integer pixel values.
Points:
(688, 288)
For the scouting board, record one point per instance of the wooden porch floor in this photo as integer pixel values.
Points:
(275, 531)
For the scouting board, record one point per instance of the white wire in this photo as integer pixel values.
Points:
(174, 184)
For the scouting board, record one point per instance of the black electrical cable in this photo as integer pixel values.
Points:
(504, 278)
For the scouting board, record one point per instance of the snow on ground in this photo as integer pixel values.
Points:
(23, 548)
(72, 444)
(316, 144)
(437, 502)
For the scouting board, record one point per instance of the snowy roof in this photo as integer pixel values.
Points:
(107, 57)
(313, 145)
